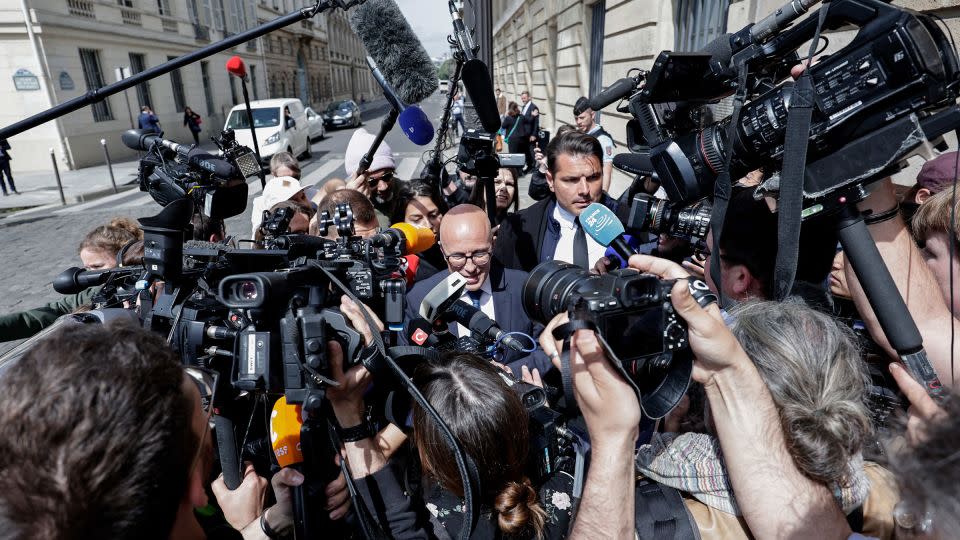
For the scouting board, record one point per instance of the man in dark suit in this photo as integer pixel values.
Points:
(531, 113)
(550, 229)
(466, 243)
(5, 167)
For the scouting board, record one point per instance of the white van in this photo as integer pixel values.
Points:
(274, 135)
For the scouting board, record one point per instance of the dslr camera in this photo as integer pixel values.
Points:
(646, 339)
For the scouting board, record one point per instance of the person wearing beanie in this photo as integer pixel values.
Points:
(378, 183)
(935, 176)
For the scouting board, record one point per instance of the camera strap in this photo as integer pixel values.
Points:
(465, 465)
(790, 199)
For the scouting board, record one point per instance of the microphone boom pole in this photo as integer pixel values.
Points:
(99, 94)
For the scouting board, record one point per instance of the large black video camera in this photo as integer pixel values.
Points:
(171, 171)
(876, 100)
(633, 314)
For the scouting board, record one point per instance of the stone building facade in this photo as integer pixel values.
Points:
(56, 50)
(562, 49)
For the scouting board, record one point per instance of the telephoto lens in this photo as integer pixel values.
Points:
(646, 339)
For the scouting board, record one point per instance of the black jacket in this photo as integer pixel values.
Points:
(532, 121)
(507, 287)
(530, 237)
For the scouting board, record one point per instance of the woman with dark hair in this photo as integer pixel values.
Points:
(495, 434)
(491, 425)
(516, 130)
(505, 190)
(192, 120)
(421, 205)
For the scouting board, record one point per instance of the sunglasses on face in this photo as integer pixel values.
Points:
(374, 180)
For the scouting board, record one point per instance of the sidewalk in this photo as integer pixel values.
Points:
(39, 188)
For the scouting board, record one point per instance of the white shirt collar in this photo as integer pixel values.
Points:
(485, 287)
(566, 219)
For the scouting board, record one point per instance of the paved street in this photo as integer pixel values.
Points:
(45, 242)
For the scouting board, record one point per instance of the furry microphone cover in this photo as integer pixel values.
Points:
(390, 41)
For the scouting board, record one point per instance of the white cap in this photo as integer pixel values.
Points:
(278, 189)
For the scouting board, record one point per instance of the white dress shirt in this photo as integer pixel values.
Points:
(526, 107)
(568, 229)
(486, 305)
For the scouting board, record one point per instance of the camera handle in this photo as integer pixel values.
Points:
(318, 471)
(490, 194)
(884, 298)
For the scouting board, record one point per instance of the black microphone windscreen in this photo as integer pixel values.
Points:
(137, 139)
(395, 48)
(208, 162)
(719, 49)
(634, 164)
(476, 79)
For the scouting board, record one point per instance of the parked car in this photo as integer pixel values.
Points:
(341, 114)
(444, 84)
(276, 131)
(315, 121)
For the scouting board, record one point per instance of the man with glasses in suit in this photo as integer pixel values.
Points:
(467, 244)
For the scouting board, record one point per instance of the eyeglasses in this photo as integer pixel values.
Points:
(374, 180)
(206, 381)
(459, 260)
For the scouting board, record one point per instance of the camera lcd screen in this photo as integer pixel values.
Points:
(637, 334)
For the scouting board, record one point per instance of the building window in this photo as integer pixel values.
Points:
(93, 76)
(163, 7)
(138, 63)
(176, 81)
(699, 22)
(253, 81)
(207, 93)
(599, 15)
(125, 3)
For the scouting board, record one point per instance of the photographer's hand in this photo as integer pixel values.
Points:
(923, 409)
(612, 414)
(243, 505)
(347, 398)
(359, 323)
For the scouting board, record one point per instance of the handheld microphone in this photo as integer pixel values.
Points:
(413, 121)
(420, 332)
(477, 321)
(442, 296)
(602, 225)
(74, 280)
(285, 425)
(414, 239)
(388, 38)
(237, 68)
(631, 163)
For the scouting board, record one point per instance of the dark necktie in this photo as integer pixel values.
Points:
(581, 255)
(475, 297)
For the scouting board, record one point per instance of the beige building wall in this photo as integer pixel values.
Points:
(544, 46)
(158, 29)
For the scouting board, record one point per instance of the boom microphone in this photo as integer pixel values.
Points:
(388, 38)
(414, 239)
(476, 79)
(220, 168)
(477, 321)
(413, 121)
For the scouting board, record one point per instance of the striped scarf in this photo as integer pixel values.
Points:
(693, 463)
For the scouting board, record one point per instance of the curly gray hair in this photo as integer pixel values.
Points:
(812, 366)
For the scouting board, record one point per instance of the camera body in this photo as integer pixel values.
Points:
(632, 312)
(875, 100)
